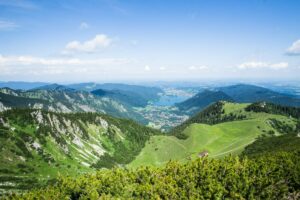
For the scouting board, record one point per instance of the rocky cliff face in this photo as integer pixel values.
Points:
(37, 144)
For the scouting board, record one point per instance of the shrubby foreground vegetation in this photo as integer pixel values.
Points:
(270, 176)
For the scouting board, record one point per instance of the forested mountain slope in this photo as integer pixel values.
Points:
(126, 97)
(275, 144)
(37, 145)
(62, 99)
(202, 100)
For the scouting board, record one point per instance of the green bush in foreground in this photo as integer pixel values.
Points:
(270, 176)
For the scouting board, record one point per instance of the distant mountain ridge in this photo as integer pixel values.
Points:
(131, 101)
(53, 87)
(202, 100)
(62, 99)
(241, 93)
(133, 95)
(21, 85)
(128, 97)
(148, 93)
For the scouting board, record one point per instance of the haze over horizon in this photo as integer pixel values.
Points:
(111, 40)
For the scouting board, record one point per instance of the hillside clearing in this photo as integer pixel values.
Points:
(219, 140)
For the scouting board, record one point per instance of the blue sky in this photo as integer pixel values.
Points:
(110, 40)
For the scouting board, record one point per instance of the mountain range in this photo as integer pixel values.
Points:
(131, 101)
(20, 85)
(145, 92)
(127, 97)
(59, 98)
(202, 100)
(56, 129)
(240, 93)
(37, 145)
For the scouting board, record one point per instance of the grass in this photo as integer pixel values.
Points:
(219, 140)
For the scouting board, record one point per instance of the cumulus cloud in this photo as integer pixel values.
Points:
(194, 68)
(281, 65)
(294, 49)
(261, 65)
(84, 25)
(22, 65)
(30, 60)
(89, 46)
(7, 25)
(147, 68)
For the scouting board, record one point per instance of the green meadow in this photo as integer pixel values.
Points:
(218, 140)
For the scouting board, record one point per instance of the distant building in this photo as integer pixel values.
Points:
(203, 154)
(263, 104)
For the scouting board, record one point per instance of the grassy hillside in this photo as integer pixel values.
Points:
(219, 138)
(38, 145)
(212, 114)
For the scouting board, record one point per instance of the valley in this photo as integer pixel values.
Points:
(56, 130)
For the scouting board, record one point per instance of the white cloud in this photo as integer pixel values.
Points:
(7, 25)
(294, 49)
(162, 68)
(28, 65)
(281, 65)
(254, 64)
(84, 25)
(30, 60)
(90, 46)
(266, 65)
(194, 68)
(147, 68)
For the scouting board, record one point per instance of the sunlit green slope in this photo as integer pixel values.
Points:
(218, 139)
